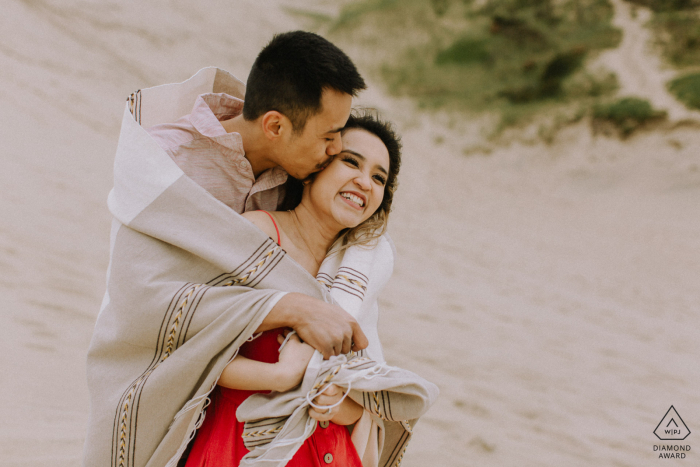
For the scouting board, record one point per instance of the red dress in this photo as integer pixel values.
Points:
(219, 442)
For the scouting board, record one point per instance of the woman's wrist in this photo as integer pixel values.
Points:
(287, 376)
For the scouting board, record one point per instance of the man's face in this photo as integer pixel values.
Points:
(313, 149)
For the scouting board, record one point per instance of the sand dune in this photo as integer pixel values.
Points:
(549, 290)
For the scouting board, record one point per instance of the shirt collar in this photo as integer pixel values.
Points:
(269, 179)
(210, 109)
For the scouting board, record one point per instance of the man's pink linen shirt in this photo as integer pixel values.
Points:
(215, 160)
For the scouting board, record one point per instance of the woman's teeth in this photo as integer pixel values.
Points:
(353, 198)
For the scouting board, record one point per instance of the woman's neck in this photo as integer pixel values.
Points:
(315, 236)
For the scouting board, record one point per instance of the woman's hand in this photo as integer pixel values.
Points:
(346, 413)
(293, 360)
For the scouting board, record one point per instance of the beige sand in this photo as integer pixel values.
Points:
(550, 291)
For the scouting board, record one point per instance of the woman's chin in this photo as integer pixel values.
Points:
(348, 220)
(350, 225)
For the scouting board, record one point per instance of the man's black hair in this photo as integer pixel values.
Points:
(291, 73)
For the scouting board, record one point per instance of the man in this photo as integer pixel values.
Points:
(298, 98)
(189, 282)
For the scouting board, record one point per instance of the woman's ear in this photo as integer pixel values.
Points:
(275, 124)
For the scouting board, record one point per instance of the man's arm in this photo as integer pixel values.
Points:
(325, 327)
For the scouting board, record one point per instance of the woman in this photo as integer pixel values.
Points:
(347, 203)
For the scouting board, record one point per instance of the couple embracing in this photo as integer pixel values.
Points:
(248, 249)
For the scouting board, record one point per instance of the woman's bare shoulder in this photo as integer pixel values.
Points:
(262, 220)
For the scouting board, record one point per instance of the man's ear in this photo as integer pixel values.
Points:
(275, 124)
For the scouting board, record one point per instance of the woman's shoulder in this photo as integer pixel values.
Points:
(265, 221)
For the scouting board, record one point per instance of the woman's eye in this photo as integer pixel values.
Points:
(351, 161)
(380, 179)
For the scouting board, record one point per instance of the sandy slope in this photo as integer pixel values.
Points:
(551, 291)
(560, 302)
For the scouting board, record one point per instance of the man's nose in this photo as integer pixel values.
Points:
(334, 147)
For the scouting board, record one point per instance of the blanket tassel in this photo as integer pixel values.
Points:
(191, 405)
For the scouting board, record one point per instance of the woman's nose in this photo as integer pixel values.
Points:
(363, 181)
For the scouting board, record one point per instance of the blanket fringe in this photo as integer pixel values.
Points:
(191, 404)
(181, 450)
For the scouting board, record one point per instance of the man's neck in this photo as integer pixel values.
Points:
(255, 145)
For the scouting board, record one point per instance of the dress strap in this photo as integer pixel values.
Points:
(279, 242)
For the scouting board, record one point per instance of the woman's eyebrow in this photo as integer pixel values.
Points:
(357, 154)
(360, 156)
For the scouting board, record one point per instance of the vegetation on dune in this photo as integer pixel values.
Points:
(515, 57)
(522, 60)
(687, 90)
(667, 5)
(627, 114)
(676, 24)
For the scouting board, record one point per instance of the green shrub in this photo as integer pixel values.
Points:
(628, 114)
(549, 84)
(678, 34)
(676, 24)
(353, 13)
(687, 90)
(464, 51)
(668, 5)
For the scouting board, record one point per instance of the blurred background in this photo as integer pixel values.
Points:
(547, 220)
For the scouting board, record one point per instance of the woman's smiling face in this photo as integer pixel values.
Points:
(351, 188)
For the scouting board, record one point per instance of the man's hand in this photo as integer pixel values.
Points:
(327, 328)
